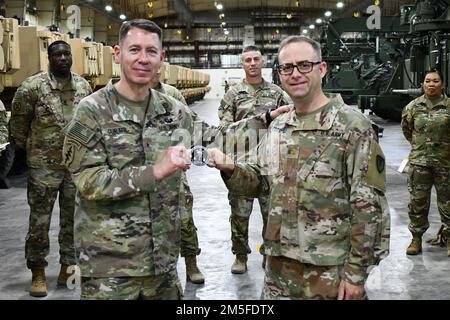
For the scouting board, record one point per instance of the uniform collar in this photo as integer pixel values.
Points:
(54, 82)
(423, 100)
(155, 107)
(247, 86)
(321, 119)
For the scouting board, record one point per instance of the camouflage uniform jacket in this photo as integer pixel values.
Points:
(126, 223)
(3, 125)
(326, 178)
(242, 101)
(170, 91)
(40, 109)
(427, 127)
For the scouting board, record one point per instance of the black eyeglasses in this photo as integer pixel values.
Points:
(302, 66)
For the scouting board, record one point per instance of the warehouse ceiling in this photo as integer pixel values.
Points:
(207, 13)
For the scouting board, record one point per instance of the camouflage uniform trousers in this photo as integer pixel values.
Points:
(161, 287)
(420, 181)
(241, 208)
(43, 188)
(189, 239)
(290, 279)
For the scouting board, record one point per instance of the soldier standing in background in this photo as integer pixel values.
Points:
(251, 96)
(328, 218)
(189, 239)
(426, 125)
(41, 107)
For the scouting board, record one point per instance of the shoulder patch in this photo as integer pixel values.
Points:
(80, 132)
(375, 176)
(17, 106)
(69, 152)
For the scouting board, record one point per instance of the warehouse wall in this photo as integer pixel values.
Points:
(218, 76)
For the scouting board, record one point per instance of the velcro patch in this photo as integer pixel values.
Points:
(69, 152)
(79, 132)
(375, 176)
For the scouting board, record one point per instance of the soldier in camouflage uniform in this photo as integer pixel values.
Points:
(41, 107)
(189, 239)
(426, 125)
(3, 125)
(328, 218)
(122, 148)
(250, 97)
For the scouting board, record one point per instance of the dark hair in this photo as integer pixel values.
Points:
(54, 44)
(143, 24)
(434, 71)
(250, 48)
(294, 39)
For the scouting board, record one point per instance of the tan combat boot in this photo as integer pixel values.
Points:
(240, 264)
(63, 275)
(416, 245)
(38, 285)
(193, 274)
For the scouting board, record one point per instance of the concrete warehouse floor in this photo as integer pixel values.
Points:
(397, 277)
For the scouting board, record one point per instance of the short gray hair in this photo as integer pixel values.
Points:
(296, 39)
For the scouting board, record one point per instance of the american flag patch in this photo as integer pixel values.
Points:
(80, 132)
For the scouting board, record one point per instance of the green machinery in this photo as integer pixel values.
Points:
(382, 70)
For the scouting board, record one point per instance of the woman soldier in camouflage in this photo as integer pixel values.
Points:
(426, 125)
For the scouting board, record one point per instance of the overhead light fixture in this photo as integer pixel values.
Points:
(122, 16)
(297, 4)
(356, 14)
(226, 32)
(277, 31)
(150, 15)
(289, 15)
(304, 31)
(319, 21)
(179, 31)
(165, 25)
(223, 23)
(150, 4)
(312, 27)
(327, 13)
(108, 8)
(208, 30)
(222, 15)
(377, 2)
(340, 5)
(219, 6)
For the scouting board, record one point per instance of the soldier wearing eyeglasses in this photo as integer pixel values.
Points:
(253, 95)
(328, 221)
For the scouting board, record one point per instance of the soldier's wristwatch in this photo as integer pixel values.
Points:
(268, 116)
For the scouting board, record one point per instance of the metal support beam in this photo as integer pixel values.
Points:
(97, 7)
(183, 11)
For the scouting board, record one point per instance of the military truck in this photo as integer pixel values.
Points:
(382, 69)
(427, 46)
